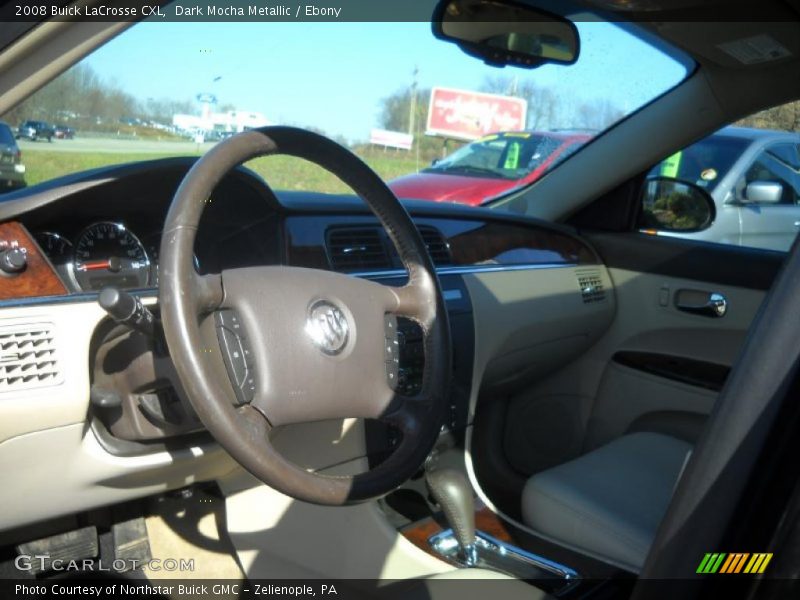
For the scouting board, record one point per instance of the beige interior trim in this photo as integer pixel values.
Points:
(528, 323)
(641, 323)
(65, 470)
(67, 403)
(45, 438)
(37, 409)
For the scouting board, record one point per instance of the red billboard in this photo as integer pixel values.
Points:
(465, 115)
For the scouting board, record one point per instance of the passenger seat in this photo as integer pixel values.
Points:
(610, 501)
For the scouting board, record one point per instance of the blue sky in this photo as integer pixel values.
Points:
(333, 75)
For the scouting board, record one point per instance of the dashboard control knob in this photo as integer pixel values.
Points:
(13, 261)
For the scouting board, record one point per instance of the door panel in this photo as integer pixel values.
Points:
(630, 400)
(601, 395)
(766, 226)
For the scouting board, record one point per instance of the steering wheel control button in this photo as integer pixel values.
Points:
(404, 355)
(411, 357)
(390, 325)
(392, 373)
(236, 354)
(391, 349)
(327, 327)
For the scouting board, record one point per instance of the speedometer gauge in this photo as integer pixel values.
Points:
(108, 254)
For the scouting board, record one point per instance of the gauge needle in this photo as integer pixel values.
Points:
(112, 264)
(94, 266)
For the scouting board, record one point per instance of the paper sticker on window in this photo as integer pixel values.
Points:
(512, 156)
(708, 174)
(671, 166)
(756, 49)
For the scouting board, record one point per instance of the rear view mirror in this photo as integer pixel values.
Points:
(673, 205)
(767, 192)
(502, 32)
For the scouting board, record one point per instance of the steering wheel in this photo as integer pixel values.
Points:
(317, 338)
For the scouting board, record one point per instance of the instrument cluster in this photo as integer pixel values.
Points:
(104, 253)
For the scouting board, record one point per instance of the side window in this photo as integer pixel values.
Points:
(788, 154)
(770, 179)
(751, 171)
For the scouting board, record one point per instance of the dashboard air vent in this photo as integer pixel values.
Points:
(27, 357)
(437, 246)
(356, 249)
(591, 286)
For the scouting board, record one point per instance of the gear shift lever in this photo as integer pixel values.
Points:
(454, 494)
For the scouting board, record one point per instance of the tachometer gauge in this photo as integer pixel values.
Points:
(108, 254)
(58, 249)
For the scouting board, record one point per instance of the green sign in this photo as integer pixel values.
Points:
(671, 166)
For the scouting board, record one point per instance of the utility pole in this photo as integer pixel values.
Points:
(413, 113)
(412, 110)
(512, 86)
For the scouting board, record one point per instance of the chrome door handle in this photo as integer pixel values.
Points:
(716, 306)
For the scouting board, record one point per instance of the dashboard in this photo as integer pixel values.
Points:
(522, 296)
(105, 229)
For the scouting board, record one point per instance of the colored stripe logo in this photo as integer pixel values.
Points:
(734, 562)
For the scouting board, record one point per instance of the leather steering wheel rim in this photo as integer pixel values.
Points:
(187, 300)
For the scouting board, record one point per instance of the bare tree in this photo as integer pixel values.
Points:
(161, 110)
(785, 117)
(396, 109)
(598, 114)
(543, 103)
(81, 96)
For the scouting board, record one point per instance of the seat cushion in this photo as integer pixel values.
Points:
(610, 501)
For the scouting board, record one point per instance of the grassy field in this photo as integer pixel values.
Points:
(281, 172)
(43, 165)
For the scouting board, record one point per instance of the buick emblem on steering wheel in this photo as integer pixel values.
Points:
(327, 327)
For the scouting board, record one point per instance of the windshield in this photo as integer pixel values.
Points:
(412, 106)
(503, 155)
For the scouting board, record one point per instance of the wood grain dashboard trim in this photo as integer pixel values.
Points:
(38, 279)
(471, 242)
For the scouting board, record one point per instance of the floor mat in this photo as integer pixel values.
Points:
(190, 526)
